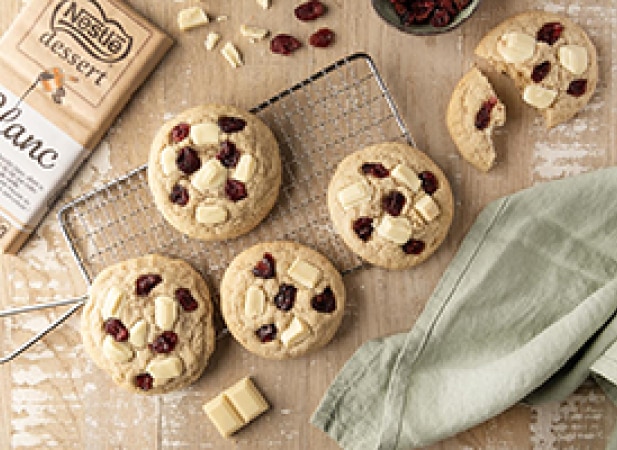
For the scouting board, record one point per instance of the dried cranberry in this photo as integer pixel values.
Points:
(186, 299)
(144, 381)
(230, 125)
(179, 195)
(286, 297)
(164, 342)
(577, 88)
(420, 12)
(393, 203)
(324, 302)
(116, 329)
(441, 18)
(188, 160)
(235, 190)
(449, 6)
(483, 117)
(363, 227)
(550, 32)
(540, 71)
(322, 38)
(145, 283)
(266, 267)
(310, 10)
(266, 333)
(461, 4)
(180, 132)
(429, 182)
(228, 155)
(375, 169)
(414, 247)
(284, 44)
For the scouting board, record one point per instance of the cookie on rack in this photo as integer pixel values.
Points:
(214, 172)
(551, 59)
(282, 299)
(391, 204)
(473, 113)
(148, 324)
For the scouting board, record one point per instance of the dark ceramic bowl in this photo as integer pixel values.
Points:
(385, 10)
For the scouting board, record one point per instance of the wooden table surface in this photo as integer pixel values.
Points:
(54, 397)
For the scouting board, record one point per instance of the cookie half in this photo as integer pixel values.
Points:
(551, 59)
(391, 204)
(214, 172)
(282, 299)
(148, 324)
(473, 113)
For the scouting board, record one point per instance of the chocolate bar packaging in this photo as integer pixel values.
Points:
(67, 68)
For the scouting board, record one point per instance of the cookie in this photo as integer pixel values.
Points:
(148, 324)
(214, 172)
(391, 205)
(473, 113)
(282, 299)
(551, 59)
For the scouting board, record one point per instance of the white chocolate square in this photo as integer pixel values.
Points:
(428, 208)
(165, 312)
(210, 214)
(355, 194)
(211, 175)
(405, 175)
(304, 273)
(245, 168)
(223, 415)
(516, 47)
(574, 58)
(246, 399)
(254, 301)
(204, 133)
(211, 40)
(116, 351)
(192, 17)
(539, 97)
(395, 229)
(168, 160)
(232, 55)
(166, 368)
(138, 334)
(295, 333)
(112, 302)
(265, 4)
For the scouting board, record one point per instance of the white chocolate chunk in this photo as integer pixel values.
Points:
(428, 208)
(395, 229)
(165, 312)
(253, 33)
(516, 47)
(138, 334)
(295, 333)
(246, 399)
(574, 58)
(222, 18)
(224, 417)
(191, 17)
(254, 302)
(166, 368)
(405, 175)
(210, 176)
(304, 273)
(116, 351)
(210, 214)
(265, 4)
(168, 160)
(112, 302)
(211, 40)
(231, 54)
(539, 97)
(205, 133)
(354, 194)
(245, 168)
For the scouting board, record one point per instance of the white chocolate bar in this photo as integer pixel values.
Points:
(246, 399)
(192, 17)
(205, 133)
(112, 302)
(428, 208)
(116, 351)
(405, 175)
(395, 229)
(254, 302)
(223, 415)
(165, 312)
(245, 168)
(211, 175)
(210, 214)
(138, 334)
(304, 273)
(295, 333)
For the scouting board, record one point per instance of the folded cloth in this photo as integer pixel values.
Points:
(525, 311)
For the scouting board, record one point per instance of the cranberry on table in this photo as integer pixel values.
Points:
(230, 125)
(145, 283)
(429, 182)
(266, 333)
(235, 190)
(186, 299)
(577, 88)
(144, 381)
(375, 169)
(324, 302)
(265, 268)
(164, 343)
(228, 154)
(188, 160)
(286, 297)
(550, 32)
(540, 71)
(179, 195)
(483, 117)
(322, 38)
(180, 132)
(393, 203)
(310, 10)
(414, 247)
(116, 329)
(363, 227)
(284, 44)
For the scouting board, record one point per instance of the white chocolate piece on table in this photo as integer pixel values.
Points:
(116, 351)
(295, 333)
(211, 40)
(265, 4)
(405, 175)
(191, 17)
(232, 55)
(395, 229)
(253, 33)
(165, 312)
(138, 334)
(165, 369)
(210, 214)
(111, 304)
(223, 415)
(539, 97)
(211, 175)
(428, 208)
(354, 194)
(222, 18)
(246, 399)
(304, 273)
(254, 301)
(245, 168)
(515, 47)
(205, 133)
(574, 58)
(168, 160)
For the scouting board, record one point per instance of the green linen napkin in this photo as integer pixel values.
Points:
(525, 311)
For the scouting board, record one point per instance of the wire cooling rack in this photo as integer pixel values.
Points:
(317, 122)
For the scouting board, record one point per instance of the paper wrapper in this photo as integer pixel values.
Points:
(67, 68)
